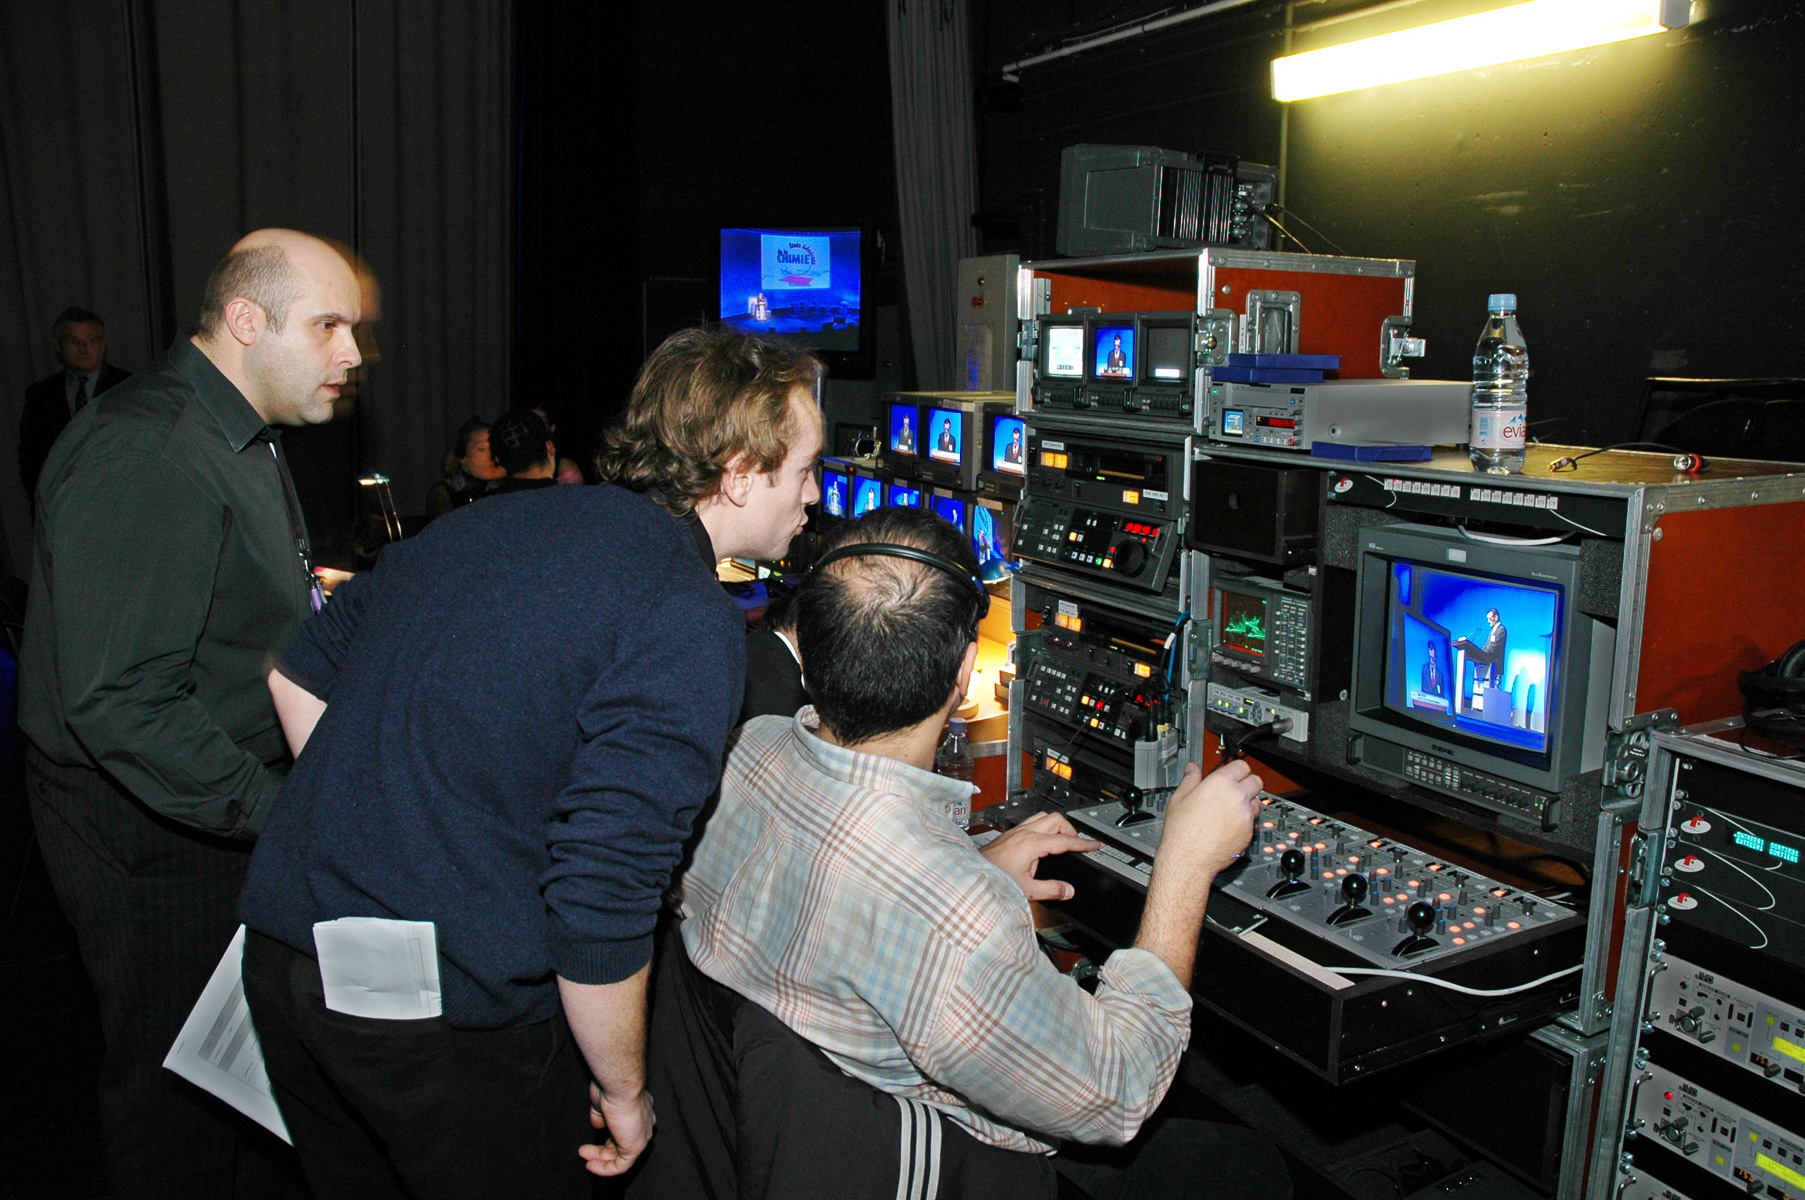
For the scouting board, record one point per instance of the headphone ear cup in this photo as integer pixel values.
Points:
(1791, 665)
(1780, 684)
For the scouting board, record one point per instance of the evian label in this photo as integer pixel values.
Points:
(1500, 428)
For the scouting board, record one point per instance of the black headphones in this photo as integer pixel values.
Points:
(891, 550)
(1780, 684)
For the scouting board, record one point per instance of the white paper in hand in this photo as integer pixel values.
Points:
(377, 967)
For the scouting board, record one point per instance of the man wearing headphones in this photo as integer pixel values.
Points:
(833, 891)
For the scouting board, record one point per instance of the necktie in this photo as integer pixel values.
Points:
(81, 394)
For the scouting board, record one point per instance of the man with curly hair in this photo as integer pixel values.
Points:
(535, 824)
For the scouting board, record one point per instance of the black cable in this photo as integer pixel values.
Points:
(1286, 232)
(1571, 463)
(1300, 220)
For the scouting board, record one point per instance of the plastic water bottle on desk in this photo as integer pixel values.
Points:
(1499, 431)
(953, 759)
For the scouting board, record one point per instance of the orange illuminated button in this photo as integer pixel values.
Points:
(1460, 941)
(1391, 900)
(1328, 874)
(1514, 924)
(1352, 859)
(1322, 845)
(1383, 871)
(1340, 871)
(1414, 883)
(1109, 564)
(1444, 897)
(1466, 925)
(1269, 825)
(1268, 849)
(1130, 496)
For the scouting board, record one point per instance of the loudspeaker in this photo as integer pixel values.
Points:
(1780, 684)
(1250, 510)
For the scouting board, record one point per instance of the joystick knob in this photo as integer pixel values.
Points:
(1420, 917)
(1132, 812)
(1291, 866)
(1354, 890)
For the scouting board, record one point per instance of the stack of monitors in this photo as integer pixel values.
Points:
(1006, 454)
(1138, 363)
(902, 435)
(942, 437)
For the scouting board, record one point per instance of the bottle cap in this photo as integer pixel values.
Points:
(956, 725)
(1500, 301)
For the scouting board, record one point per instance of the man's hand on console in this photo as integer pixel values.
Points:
(1020, 850)
(1209, 822)
(629, 1126)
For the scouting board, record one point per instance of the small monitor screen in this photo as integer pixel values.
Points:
(1064, 352)
(1473, 653)
(867, 495)
(953, 510)
(1008, 445)
(1166, 354)
(1243, 620)
(1114, 352)
(835, 493)
(1234, 422)
(904, 496)
(946, 435)
(903, 433)
(990, 542)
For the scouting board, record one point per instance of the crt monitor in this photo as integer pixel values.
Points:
(1112, 344)
(903, 430)
(1061, 353)
(990, 537)
(1164, 342)
(867, 495)
(1007, 443)
(903, 495)
(1476, 652)
(800, 284)
(836, 492)
(946, 435)
(952, 508)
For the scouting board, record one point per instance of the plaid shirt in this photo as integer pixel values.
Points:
(830, 888)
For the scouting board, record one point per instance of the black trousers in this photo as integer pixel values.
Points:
(154, 905)
(417, 1109)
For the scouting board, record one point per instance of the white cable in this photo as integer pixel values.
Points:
(1497, 539)
(1454, 987)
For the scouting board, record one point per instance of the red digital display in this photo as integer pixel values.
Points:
(1279, 422)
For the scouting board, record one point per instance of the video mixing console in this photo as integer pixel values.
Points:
(1384, 901)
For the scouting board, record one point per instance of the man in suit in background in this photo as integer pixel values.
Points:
(79, 338)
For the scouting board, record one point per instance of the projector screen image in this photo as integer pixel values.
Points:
(833, 493)
(1008, 445)
(990, 542)
(946, 431)
(867, 495)
(902, 428)
(1472, 653)
(1065, 352)
(953, 510)
(903, 496)
(799, 285)
(1115, 352)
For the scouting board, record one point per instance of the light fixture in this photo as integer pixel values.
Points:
(385, 501)
(1483, 39)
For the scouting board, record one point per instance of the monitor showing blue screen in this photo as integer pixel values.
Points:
(903, 433)
(867, 495)
(798, 284)
(1114, 352)
(835, 492)
(990, 542)
(946, 435)
(1473, 653)
(953, 510)
(904, 496)
(1008, 445)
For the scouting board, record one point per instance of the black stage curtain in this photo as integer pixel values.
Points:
(140, 138)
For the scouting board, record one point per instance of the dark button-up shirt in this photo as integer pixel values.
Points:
(165, 574)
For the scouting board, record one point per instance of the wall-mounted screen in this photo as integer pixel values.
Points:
(800, 284)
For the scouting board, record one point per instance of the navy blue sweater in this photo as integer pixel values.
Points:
(526, 706)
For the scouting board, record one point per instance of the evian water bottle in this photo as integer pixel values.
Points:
(1498, 433)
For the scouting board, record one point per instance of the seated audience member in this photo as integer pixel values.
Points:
(566, 470)
(773, 667)
(521, 443)
(467, 471)
(832, 897)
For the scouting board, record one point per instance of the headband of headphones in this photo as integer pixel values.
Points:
(891, 550)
